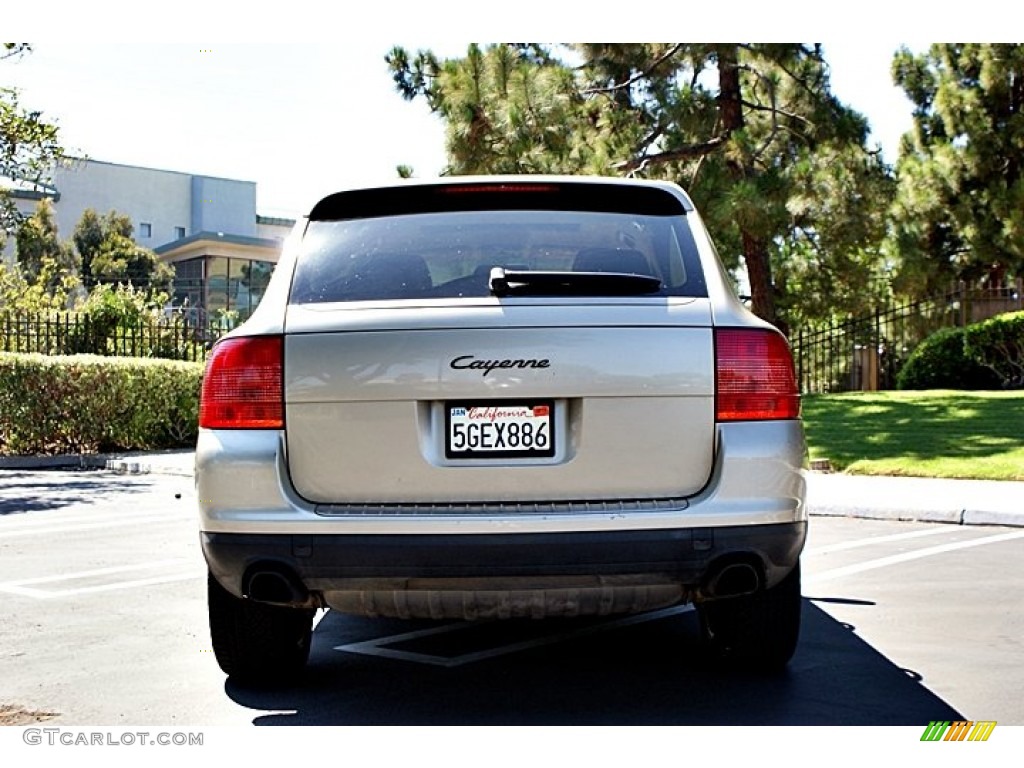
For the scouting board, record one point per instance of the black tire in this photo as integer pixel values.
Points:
(254, 642)
(755, 632)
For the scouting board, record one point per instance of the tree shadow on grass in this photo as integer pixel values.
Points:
(953, 425)
(652, 673)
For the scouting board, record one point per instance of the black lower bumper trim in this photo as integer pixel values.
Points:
(684, 554)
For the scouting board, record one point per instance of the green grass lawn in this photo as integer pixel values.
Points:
(938, 433)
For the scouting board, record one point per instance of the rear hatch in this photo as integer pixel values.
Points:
(487, 345)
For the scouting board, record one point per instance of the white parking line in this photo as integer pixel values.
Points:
(379, 646)
(44, 518)
(871, 540)
(113, 523)
(28, 587)
(43, 594)
(376, 647)
(883, 562)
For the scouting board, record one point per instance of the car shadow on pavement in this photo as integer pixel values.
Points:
(648, 673)
(22, 492)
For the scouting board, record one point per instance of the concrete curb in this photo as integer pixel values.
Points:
(124, 465)
(136, 467)
(948, 517)
(952, 502)
(930, 500)
(63, 461)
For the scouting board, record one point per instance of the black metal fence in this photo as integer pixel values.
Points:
(867, 352)
(69, 333)
(863, 353)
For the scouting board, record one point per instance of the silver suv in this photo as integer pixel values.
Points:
(500, 397)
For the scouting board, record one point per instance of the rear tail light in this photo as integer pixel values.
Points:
(243, 387)
(754, 376)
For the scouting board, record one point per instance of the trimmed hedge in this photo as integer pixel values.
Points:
(998, 344)
(86, 403)
(941, 362)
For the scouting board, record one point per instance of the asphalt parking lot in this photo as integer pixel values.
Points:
(103, 593)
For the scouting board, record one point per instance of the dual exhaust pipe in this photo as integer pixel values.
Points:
(733, 580)
(277, 587)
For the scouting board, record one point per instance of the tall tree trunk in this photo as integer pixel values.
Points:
(755, 250)
(759, 272)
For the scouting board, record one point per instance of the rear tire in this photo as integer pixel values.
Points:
(255, 642)
(755, 632)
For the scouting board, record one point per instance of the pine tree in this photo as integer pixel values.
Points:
(959, 213)
(740, 126)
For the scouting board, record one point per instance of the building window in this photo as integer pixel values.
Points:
(209, 286)
(216, 284)
(188, 288)
(179, 233)
(145, 229)
(256, 279)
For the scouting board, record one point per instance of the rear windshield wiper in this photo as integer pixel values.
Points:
(507, 282)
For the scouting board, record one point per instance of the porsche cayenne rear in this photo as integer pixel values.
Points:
(500, 397)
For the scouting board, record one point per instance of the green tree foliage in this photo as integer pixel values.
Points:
(959, 212)
(998, 344)
(93, 232)
(38, 242)
(121, 258)
(29, 148)
(108, 251)
(833, 261)
(751, 130)
(53, 289)
(942, 362)
(47, 274)
(124, 320)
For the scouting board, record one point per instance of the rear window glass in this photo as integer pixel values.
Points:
(447, 254)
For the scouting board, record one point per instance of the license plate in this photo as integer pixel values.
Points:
(500, 430)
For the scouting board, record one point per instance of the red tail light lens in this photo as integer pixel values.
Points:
(754, 376)
(243, 387)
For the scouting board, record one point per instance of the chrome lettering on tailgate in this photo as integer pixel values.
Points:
(500, 430)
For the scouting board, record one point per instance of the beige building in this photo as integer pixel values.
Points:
(206, 227)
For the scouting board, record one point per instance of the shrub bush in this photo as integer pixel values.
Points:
(85, 403)
(998, 345)
(941, 362)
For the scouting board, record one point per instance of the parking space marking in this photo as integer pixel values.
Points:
(870, 540)
(376, 647)
(43, 518)
(882, 562)
(57, 527)
(379, 646)
(30, 587)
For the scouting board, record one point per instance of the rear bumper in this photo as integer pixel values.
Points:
(624, 555)
(244, 486)
(325, 563)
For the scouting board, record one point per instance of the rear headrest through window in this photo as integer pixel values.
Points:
(623, 260)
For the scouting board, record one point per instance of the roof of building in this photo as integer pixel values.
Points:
(21, 189)
(219, 237)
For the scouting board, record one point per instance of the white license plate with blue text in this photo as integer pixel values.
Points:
(500, 430)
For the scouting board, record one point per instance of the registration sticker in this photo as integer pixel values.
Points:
(500, 430)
